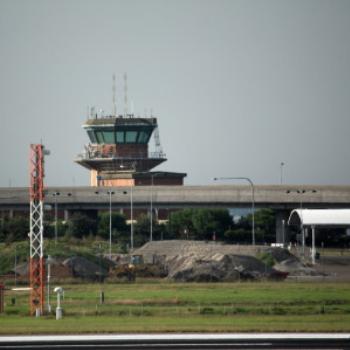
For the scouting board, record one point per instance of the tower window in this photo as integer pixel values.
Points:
(130, 136)
(108, 136)
(92, 136)
(99, 136)
(120, 136)
(143, 137)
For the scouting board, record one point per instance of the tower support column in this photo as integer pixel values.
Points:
(282, 228)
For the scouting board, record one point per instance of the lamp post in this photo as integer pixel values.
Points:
(281, 171)
(109, 193)
(49, 260)
(133, 167)
(253, 200)
(151, 223)
(131, 220)
(55, 194)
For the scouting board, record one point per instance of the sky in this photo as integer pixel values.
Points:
(237, 86)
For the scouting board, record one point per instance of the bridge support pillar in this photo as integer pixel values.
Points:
(282, 228)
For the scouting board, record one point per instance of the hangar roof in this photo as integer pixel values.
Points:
(320, 217)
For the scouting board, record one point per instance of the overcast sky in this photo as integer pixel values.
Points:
(238, 86)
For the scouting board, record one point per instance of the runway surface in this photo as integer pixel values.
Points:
(298, 341)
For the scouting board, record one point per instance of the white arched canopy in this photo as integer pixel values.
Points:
(320, 217)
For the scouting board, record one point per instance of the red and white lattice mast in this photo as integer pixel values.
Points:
(37, 264)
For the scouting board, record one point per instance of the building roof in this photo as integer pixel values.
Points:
(119, 121)
(320, 217)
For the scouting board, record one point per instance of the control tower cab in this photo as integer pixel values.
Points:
(118, 152)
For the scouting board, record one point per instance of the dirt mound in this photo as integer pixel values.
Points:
(173, 248)
(280, 254)
(141, 270)
(57, 270)
(294, 267)
(214, 261)
(218, 268)
(84, 268)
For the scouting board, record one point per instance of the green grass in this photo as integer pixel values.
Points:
(172, 307)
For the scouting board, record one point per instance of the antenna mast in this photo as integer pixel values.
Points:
(158, 145)
(37, 264)
(114, 111)
(125, 95)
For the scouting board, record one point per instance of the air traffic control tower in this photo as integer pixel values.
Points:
(118, 152)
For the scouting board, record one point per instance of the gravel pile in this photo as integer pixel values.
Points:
(218, 268)
(84, 268)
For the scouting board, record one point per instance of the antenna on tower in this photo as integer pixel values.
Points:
(125, 95)
(132, 108)
(93, 112)
(114, 111)
(158, 145)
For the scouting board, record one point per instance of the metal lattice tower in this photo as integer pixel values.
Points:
(37, 264)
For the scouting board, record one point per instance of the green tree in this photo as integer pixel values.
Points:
(199, 223)
(142, 230)
(80, 225)
(181, 223)
(49, 229)
(265, 226)
(119, 225)
(238, 235)
(14, 229)
(206, 222)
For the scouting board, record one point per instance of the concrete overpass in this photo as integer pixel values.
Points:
(282, 198)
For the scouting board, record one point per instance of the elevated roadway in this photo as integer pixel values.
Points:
(281, 198)
(274, 196)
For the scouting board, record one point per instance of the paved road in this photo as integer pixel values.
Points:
(180, 341)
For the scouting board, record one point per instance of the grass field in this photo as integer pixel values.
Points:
(156, 306)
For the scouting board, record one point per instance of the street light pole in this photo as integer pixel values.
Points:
(151, 223)
(110, 193)
(131, 220)
(55, 194)
(281, 169)
(151, 220)
(253, 199)
(48, 283)
(110, 223)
